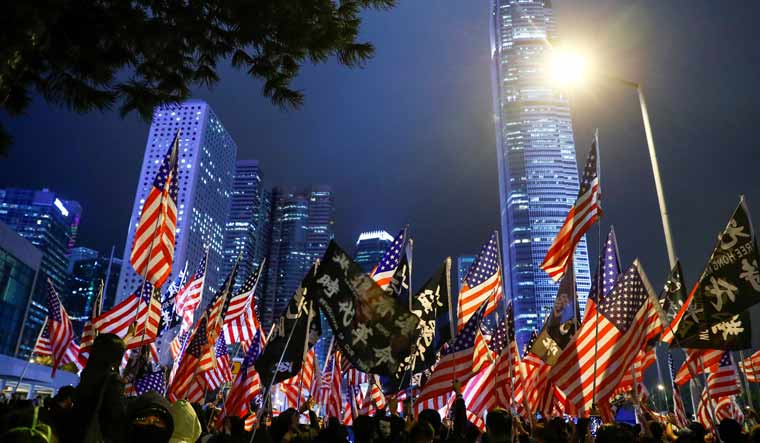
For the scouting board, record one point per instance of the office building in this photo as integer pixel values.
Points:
(242, 230)
(88, 269)
(370, 248)
(20, 262)
(538, 172)
(206, 165)
(50, 223)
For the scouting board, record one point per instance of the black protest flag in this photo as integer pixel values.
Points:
(283, 355)
(561, 323)
(374, 330)
(431, 305)
(730, 283)
(399, 284)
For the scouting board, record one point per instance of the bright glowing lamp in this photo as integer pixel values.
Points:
(661, 387)
(567, 68)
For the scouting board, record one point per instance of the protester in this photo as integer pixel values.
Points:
(498, 426)
(187, 427)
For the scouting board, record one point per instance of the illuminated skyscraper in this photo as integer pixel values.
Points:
(370, 248)
(50, 223)
(242, 231)
(538, 172)
(206, 164)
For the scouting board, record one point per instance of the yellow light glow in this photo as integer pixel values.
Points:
(567, 68)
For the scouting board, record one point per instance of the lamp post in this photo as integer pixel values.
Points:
(569, 68)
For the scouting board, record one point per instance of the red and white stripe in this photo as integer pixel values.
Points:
(470, 299)
(249, 422)
(455, 366)
(680, 412)
(534, 373)
(146, 325)
(117, 319)
(668, 333)
(615, 352)
(220, 374)
(723, 382)
(189, 297)
(152, 252)
(579, 219)
(644, 359)
(334, 398)
(479, 393)
(347, 419)
(751, 367)
(242, 326)
(723, 408)
(698, 361)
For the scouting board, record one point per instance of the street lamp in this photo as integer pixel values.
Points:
(568, 68)
(661, 387)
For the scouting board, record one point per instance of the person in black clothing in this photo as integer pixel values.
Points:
(730, 431)
(421, 432)
(149, 419)
(498, 426)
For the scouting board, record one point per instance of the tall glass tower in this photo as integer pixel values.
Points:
(538, 172)
(370, 248)
(206, 164)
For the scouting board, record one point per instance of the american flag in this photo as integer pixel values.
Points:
(698, 361)
(680, 412)
(89, 333)
(118, 319)
(383, 271)
(751, 367)
(247, 385)
(189, 297)
(302, 382)
(483, 282)
(241, 322)
(644, 359)
(607, 271)
(723, 408)
(348, 417)
(249, 422)
(42, 348)
(459, 361)
(189, 366)
(483, 390)
(334, 398)
(153, 250)
(627, 319)
(222, 372)
(586, 210)
(60, 331)
(148, 318)
(153, 381)
(724, 381)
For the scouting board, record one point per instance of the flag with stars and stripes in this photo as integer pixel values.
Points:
(461, 360)
(482, 283)
(607, 271)
(144, 330)
(586, 210)
(247, 385)
(118, 319)
(241, 322)
(89, 332)
(724, 381)
(42, 347)
(383, 271)
(152, 253)
(222, 372)
(627, 319)
(189, 366)
(189, 297)
(60, 330)
(153, 381)
(751, 367)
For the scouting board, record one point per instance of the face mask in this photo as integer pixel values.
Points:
(385, 429)
(148, 434)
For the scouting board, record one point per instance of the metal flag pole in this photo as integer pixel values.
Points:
(305, 352)
(746, 381)
(600, 278)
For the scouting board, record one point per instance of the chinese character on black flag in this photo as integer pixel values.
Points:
(561, 323)
(375, 331)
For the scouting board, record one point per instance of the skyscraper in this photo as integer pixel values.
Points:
(463, 266)
(19, 265)
(87, 268)
(538, 172)
(241, 235)
(206, 163)
(50, 223)
(302, 226)
(370, 247)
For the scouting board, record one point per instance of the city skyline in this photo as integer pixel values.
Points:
(448, 75)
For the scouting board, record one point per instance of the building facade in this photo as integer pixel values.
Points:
(370, 247)
(87, 271)
(19, 265)
(50, 223)
(242, 230)
(207, 155)
(538, 172)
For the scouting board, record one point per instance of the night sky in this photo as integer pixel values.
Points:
(410, 138)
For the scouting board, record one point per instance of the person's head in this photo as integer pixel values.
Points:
(614, 433)
(187, 427)
(698, 430)
(730, 431)
(433, 418)
(26, 426)
(499, 425)
(384, 426)
(149, 419)
(364, 429)
(656, 429)
(65, 397)
(709, 438)
(421, 432)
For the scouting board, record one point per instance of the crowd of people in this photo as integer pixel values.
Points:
(97, 410)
